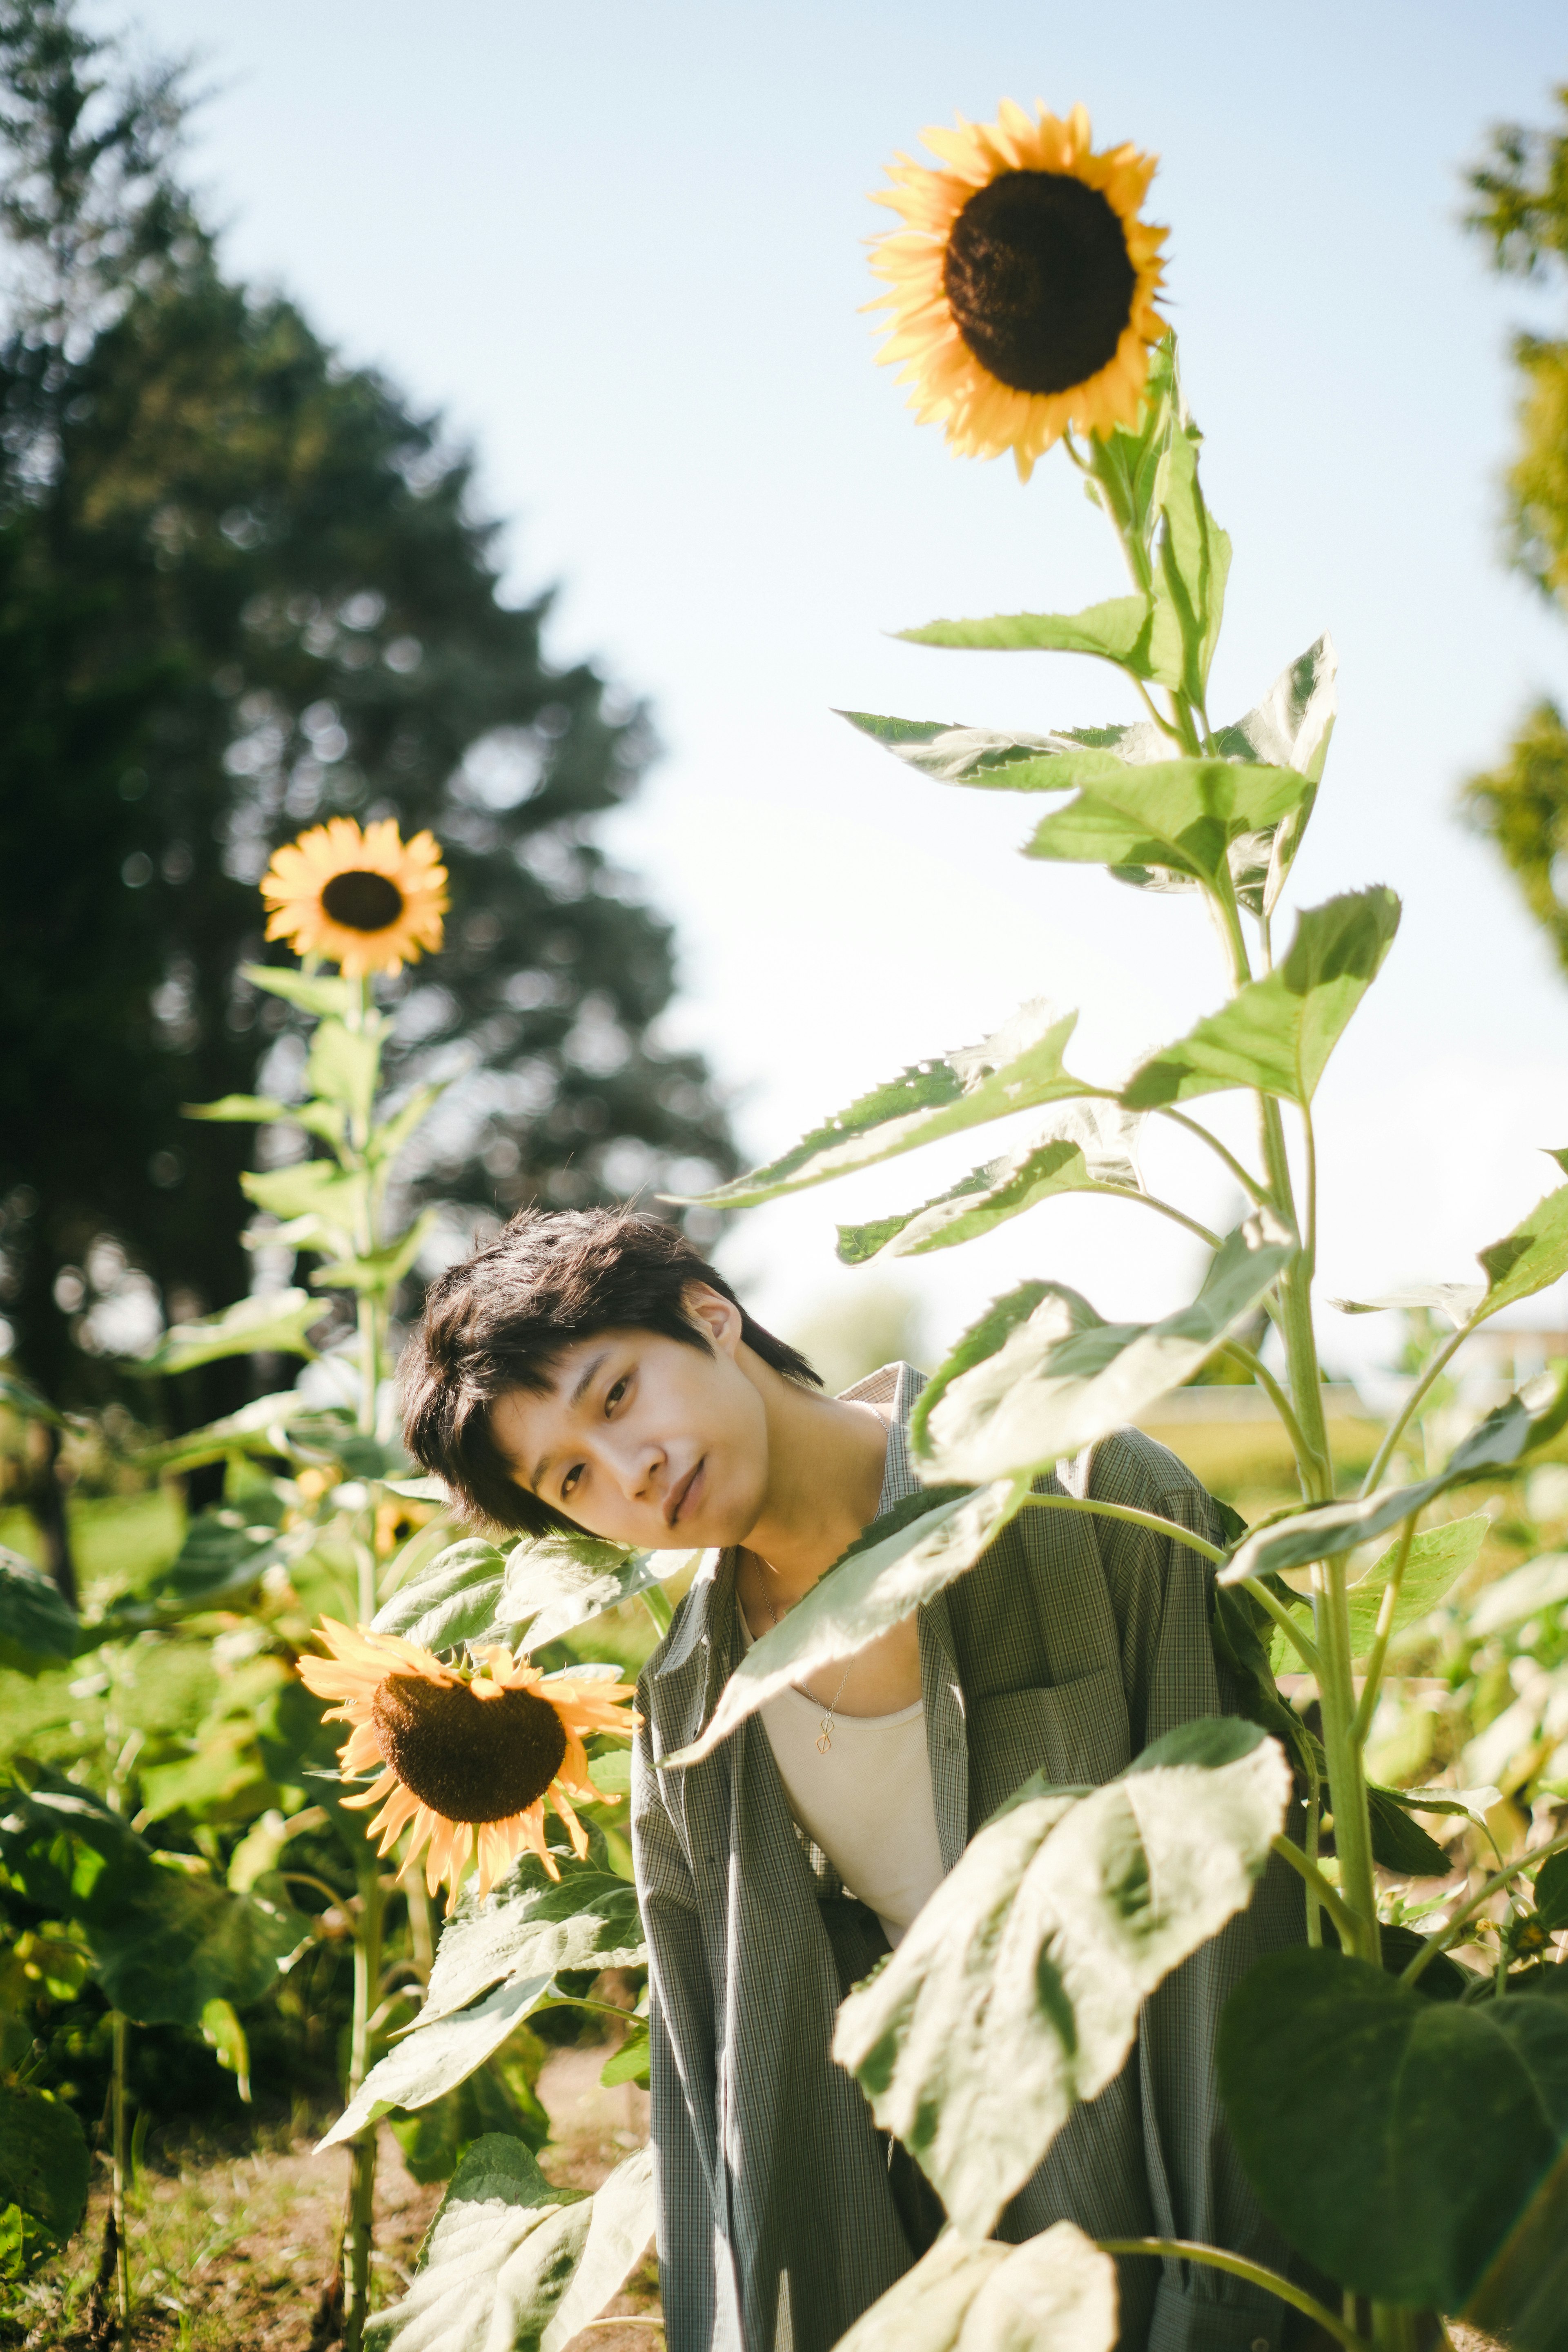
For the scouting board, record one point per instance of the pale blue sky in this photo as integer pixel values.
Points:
(621, 247)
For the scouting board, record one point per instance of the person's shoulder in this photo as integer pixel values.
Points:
(1128, 1466)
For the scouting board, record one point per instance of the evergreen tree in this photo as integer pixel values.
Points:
(1521, 805)
(241, 587)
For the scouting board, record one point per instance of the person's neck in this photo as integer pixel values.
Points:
(826, 1464)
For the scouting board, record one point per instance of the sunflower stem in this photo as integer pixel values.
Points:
(121, 2182)
(362, 2150)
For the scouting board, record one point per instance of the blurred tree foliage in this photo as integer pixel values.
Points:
(1521, 210)
(241, 588)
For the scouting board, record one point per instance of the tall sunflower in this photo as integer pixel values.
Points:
(469, 1757)
(369, 901)
(1023, 285)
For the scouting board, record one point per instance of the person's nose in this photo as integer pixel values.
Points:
(637, 1465)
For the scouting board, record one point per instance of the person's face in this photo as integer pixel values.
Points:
(643, 1441)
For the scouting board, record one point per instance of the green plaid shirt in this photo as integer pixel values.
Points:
(1069, 1645)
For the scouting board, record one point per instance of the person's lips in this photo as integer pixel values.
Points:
(684, 1493)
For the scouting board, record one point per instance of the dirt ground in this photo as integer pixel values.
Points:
(231, 2255)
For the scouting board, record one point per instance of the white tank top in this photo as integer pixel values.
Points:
(867, 1802)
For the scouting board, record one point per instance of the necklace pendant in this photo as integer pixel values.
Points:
(826, 1741)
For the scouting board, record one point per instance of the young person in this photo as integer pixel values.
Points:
(590, 1369)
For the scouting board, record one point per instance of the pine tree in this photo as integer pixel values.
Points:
(242, 586)
(1521, 805)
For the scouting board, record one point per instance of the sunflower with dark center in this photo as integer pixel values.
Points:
(367, 901)
(468, 1756)
(1024, 284)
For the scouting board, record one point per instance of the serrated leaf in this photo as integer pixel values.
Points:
(1084, 1147)
(345, 1064)
(1120, 630)
(1277, 1032)
(1551, 1893)
(337, 998)
(1042, 1376)
(1533, 1255)
(1194, 564)
(1437, 1559)
(1506, 1435)
(624, 2218)
(38, 1627)
(1180, 814)
(1057, 762)
(436, 2058)
(1055, 2293)
(318, 1118)
(452, 1598)
(496, 2261)
(1291, 727)
(1016, 1068)
(256, 1428)
(530, 1926)
(533, 1593)
(273, 1323)
(902, 1558)
(1016, 1992)
(632, 2061)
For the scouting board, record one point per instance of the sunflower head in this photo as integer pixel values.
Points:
(467, 1754)
(369, 901)
(1023, 285)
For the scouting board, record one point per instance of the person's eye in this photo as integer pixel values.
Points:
(617, 1393)
(571, 1480)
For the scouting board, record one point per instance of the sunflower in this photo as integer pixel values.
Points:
(469, 1757)
(368, 900)
(1023, 283)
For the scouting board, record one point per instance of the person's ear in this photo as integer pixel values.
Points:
(718, 1317)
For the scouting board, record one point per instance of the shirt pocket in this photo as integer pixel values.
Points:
(1075, 1733)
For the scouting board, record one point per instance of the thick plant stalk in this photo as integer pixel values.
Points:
(119, 2184)
(361, 2149)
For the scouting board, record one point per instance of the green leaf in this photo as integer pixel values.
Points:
(165, 1940)
(43, 2160)
(436, 2057)
(1126, 480)
(1401, 1844)
(1509, 1434)
(1194, 562)
(530, 1924)
(1055, 2293)
(1533, 1255)
(38, 1627)
(1437, 1559)
(1059, 763)
(497, 2261)
(345, 1064)
(379, 1271)
(220, 1560)
(22, 1397)
(512, 2261)
(1120, 630)
(1277, 1032)
(318, 1118)
(1016, 1990)
(1042, 1376)
(257, 1428)
(1084, 1147)
(1551, 1893)
(388, 1140)
(274, 1323)
(1457, 1300)
(1180, 814)
(902, 1558)
(331, 997)
(452, 1599)
(631, 2061)
(1395, 2141)
(538, 1591)
(1291, 727)
(311, 1187)
(1016, 1068)
(225, 2035)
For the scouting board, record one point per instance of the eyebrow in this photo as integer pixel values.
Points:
(585, 1381)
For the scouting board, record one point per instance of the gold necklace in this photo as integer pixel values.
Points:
(825, 1736)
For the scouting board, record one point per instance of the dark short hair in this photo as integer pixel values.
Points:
(503, 1319)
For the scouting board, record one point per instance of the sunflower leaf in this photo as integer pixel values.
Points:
(1277, 1034)
(38, 1627)
(530, 1924)
(1291, 727)
(1056, 2292)
(902, 1558)
(1509, 1434)
(274, 1323)
(1125, 480)
(388, 1140)
(1041, 1376)
(955, 754)
(329, 997)
(1017, 1992)
(311, 1187)
(435, 2058)
(1016, 1068)
(1194, 562)
(1181, 816)
(379, 1270)
(1085, 1147)
(1120, 630)
(345, 1064)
